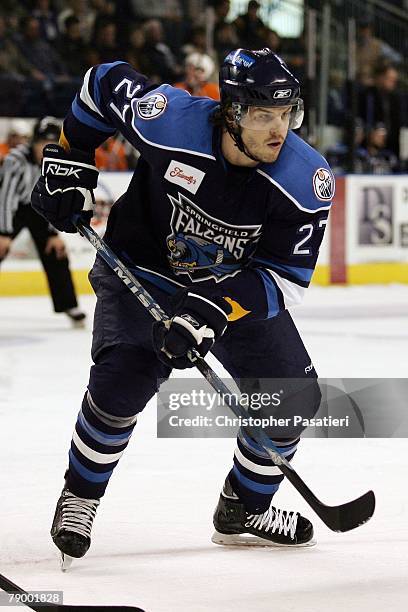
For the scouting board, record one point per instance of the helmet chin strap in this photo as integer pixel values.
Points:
(236, 136)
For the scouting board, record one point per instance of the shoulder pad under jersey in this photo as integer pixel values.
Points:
(302, 174)
(169, 118)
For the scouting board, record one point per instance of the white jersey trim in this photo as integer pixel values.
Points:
(160, 146)
(290, 197)
(292, 293)
(200, 297)
(85, 96)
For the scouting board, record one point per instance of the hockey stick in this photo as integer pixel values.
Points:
(25, 598)
(338, 518)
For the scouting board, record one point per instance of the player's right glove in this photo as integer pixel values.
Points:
(197, 323)
(65, 186)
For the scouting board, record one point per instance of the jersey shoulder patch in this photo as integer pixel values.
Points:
(302, 174)
(169, 118)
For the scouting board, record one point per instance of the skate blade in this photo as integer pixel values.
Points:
(247, 539)
(65, 562)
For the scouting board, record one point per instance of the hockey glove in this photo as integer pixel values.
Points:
(65, 186)
(197, 324)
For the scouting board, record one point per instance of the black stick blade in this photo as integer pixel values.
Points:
(91, 608)
(350, 515)
(337, 518)
(11, 587)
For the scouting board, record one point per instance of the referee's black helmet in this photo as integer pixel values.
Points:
(47, 128)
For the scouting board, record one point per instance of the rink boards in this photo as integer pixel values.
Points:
(366, 240)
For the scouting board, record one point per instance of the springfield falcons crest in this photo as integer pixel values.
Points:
(205, 247)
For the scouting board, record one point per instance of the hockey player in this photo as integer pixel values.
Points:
(18, 175)
(222, 221)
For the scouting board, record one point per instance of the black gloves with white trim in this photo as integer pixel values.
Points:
(65, 186)
(197, 323)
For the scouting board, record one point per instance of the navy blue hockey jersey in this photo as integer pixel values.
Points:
(249, 235)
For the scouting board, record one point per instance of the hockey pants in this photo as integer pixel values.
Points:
(125, 377)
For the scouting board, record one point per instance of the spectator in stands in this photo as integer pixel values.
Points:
(250, 28)
(336, 98)
(105, 9)
(47, 18)
(272, 40)
(133, 52)
(168, 12)
(160, 61)
(105, 42)
(72, 49)
(155, 9)
(295, 56)
(19, 133)
(197, 43)
(38, 52)
(111, 156)
(13, 66)
(198, 69)
(225, 40)
(381, 103)
(380, 159)
(371, 51)
(339, 157)
(14, 11)
(82, 11)
(12, 60)
(221, 10)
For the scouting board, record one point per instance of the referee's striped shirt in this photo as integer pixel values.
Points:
(18, 175)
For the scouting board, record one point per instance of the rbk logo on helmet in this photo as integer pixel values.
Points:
(282, 93)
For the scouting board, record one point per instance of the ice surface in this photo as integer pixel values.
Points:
(151, 545)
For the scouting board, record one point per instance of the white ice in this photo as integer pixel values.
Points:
(151, 542)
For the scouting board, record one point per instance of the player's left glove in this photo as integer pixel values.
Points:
(65, 186)
(197, 323)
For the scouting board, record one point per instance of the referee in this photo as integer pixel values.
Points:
(18, 175)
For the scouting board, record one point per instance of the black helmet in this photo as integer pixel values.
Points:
(259, 78)
(47, 128)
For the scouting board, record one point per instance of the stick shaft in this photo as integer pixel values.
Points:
(338, 518)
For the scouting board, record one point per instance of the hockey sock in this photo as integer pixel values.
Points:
(254, 477)
(98, 443)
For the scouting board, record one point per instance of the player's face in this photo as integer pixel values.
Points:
(264, 131)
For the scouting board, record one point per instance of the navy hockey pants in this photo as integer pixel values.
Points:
(125, 376)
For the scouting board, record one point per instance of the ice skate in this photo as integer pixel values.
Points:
(72, 525)
(234, 526)
(77, 317)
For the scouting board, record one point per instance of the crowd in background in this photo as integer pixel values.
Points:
(46, 46)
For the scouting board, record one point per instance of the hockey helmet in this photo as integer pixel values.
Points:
(47, 128)
(258, 79)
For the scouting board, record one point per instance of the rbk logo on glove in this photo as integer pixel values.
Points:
(60, 170)
(58, 163)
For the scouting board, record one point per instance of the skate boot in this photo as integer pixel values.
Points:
(76, 316)
(72, 524)
(235, 526)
